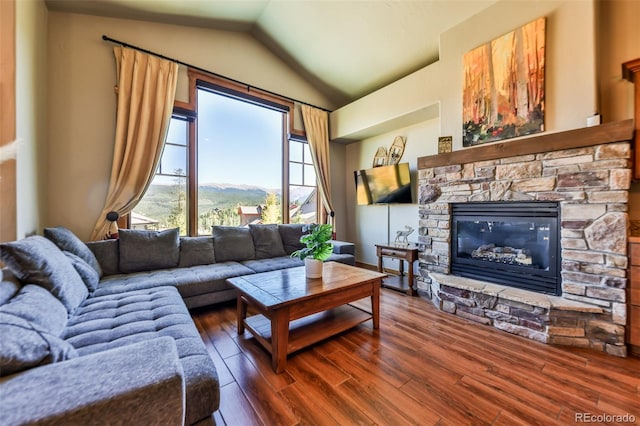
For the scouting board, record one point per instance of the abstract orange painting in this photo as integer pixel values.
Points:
(503, 88)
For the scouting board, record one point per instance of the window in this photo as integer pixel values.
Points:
(240, 149)
(164, 205)
(231, 159)
(303, 194)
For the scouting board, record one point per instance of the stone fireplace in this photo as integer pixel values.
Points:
(586, 173)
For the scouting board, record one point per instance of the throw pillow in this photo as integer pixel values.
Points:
(291, 234)
(149, 250)
(37, 260)
(196, 251)
(40, 308)
(89, 275)
(232, 243)
(267, 241)
(68, 241)
(108, 251)
(23, 346)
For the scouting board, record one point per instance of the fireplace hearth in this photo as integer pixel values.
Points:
(510, 243)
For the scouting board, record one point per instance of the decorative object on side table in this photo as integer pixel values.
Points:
(401, 236)
(317, 240)
(445, 144)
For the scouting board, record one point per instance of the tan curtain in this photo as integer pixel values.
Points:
(146, 91)
(316, 124)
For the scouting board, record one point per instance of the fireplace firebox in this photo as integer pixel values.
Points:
(509, 243)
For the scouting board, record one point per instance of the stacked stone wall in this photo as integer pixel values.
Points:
(591, 185)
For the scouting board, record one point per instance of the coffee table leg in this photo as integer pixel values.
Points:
(279, 339)
(375, 304)
(241, 313)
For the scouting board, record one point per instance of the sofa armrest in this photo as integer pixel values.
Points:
(343, 247)
(141, 383)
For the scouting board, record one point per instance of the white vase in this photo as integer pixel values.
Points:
(313, 268)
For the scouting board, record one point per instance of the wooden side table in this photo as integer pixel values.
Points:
(408, 252)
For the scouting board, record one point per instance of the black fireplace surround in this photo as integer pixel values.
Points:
(510, 243)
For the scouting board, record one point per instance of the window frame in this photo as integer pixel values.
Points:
(188, 111)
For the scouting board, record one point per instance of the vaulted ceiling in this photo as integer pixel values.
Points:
(346, 49)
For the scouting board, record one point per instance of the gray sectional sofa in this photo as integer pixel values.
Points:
(101, 333)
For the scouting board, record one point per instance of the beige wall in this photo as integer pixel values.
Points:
(374, 224)
(31, 115)
(82, 102)
(436, 91)
(618, 25)
(619, 29)
(570, 72)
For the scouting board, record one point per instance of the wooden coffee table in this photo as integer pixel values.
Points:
(296, 312)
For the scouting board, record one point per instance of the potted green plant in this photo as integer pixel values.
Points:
(318, 248)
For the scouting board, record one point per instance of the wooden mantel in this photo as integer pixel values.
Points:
(588, 136)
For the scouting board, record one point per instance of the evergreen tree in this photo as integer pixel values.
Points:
(177, 216)
(271, 213)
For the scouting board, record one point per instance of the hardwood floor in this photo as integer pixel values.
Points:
(421, 367)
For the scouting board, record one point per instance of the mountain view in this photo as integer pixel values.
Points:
(164, 206)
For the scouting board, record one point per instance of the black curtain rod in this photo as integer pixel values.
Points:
(248, 86)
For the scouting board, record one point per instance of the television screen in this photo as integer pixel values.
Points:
(384, 185)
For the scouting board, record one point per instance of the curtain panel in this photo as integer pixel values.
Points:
(146, 92)
(316, 124)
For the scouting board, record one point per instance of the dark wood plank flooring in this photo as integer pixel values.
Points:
(422, 367)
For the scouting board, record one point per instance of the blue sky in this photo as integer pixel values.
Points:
(239, 143)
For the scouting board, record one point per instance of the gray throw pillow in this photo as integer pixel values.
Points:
(23, 346)
(196, 251)
(37, 260)
(148, 250)
(108, 254)
(68, 241)
(267, 241)
(232, 243)
(37, 306)
(89, 275)
(290, 234)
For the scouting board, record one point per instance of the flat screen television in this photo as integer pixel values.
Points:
(384, 185)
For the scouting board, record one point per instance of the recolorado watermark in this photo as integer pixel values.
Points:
(604, 418)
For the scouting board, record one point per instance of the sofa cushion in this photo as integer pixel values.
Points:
(89, 275)
(68, 241)
(23, 346)
(148, 250)
(9, 285)
(267, 241)
(37, 306)
(37, 260)
(273, 264)
(109, 321)
(108, 254)
(232, 243)
(290, 234)
(196, 251)
(192, 281)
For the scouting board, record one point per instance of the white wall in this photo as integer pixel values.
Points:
(375, 224)
(31, 115)
(81, 105)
